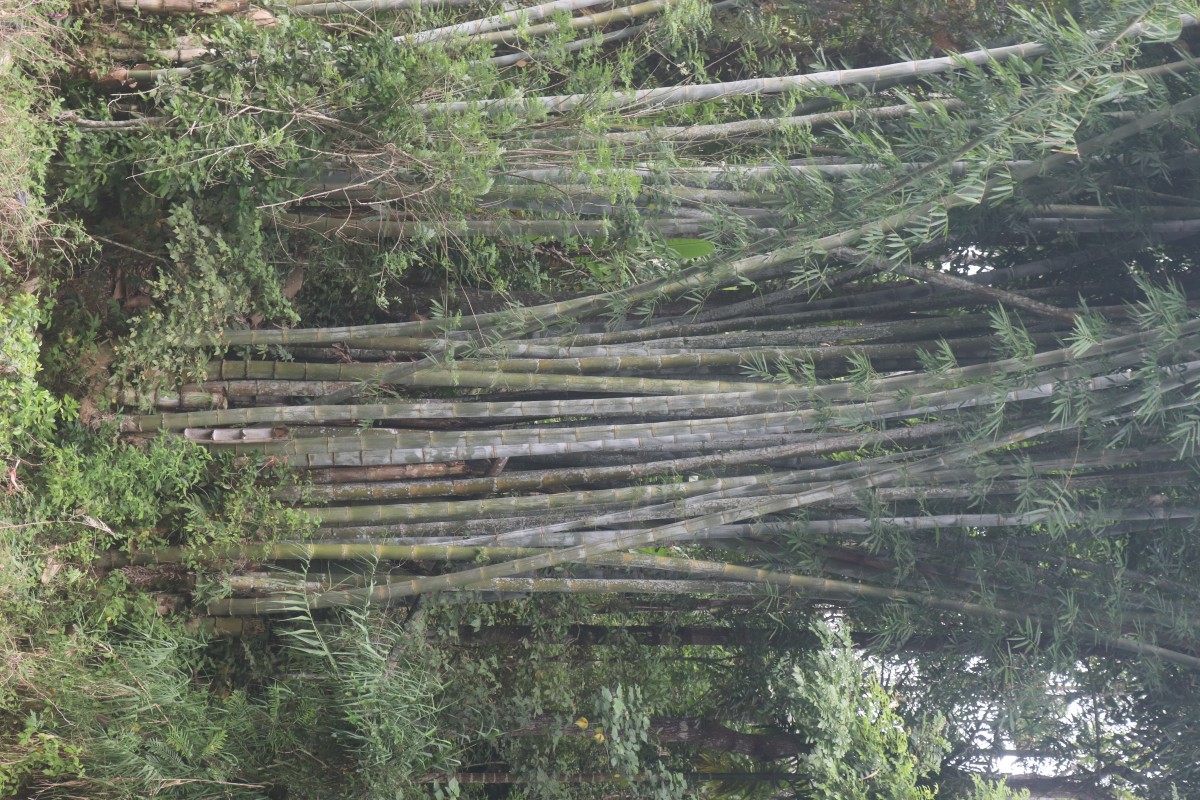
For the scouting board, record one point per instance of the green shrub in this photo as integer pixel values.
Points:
(217, 276)
(28, 412)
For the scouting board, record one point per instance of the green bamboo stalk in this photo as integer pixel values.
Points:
(349, 226)
(518, 17)
(838, 309)
(184, 398)
(665, 405)
(680, 531)
(452, 376)
(697, 363)
(548, 533)
(631, 496)
(489, 444)
(948, 281)
(620, 35)
(731, 574)
(723, 131)
(736, 537)
(826, 589)
(675, 95)
(606, 586)
(730, 176)
(252, 390)
(537, 440)
(182, 6)
(579, 23)
(316, 8)
(373, 553)
(1038, 267)
(542, 480)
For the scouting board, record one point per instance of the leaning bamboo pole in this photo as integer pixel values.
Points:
(619, 35)
(722, 131)
(349, 226)
(677, 95)
(678, 531)
(319, 8)
(183, 6)
(579, 23)
(516, 17)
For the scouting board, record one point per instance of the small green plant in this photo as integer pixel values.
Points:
(217, 276)
(28, 412)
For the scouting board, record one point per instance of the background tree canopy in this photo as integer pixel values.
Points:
(677, 399)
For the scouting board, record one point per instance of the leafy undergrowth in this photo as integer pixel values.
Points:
(25, 140)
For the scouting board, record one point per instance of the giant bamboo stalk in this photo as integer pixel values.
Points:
(542, 480)
(316, 8)
(374, 227)
(506, 19)
(675, 95)
(584, 22)
(183, 6)
(722, 131)
(679, 530)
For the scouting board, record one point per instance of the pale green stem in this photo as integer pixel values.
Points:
(507, 19)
